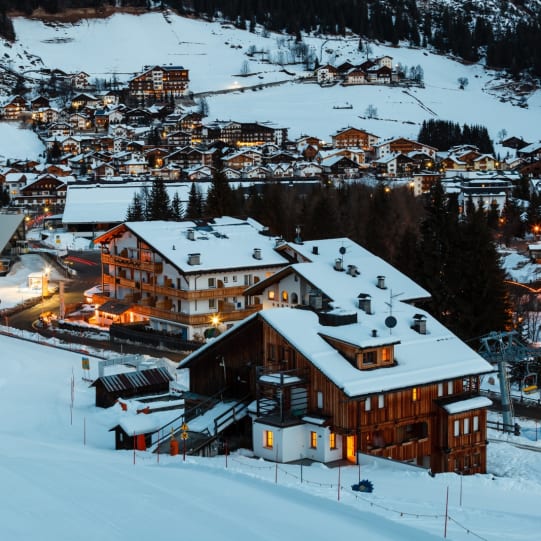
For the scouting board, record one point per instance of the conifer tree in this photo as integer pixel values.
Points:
(195, 203)
(177, 209)
(220, 200)
(480, 301)
(158, 205)
(135, 212)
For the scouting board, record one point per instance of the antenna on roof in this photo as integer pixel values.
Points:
(390, 320)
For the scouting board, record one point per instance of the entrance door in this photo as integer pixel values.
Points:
(351, 449)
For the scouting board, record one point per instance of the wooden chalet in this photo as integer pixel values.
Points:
(354, 137)
(188, 278)
(130, 384)
(328, 383)
(160, 82)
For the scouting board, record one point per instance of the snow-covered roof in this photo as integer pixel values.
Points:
(420, 359)
(466, 405)
(227, 243)
(108, 202)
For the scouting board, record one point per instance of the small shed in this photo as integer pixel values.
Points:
(130, 384)
(135, 432)
(113, 312)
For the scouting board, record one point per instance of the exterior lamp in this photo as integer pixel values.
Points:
(215, 320)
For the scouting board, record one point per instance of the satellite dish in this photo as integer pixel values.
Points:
(342, 250)
(390, 322)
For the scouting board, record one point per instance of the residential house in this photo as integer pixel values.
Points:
(187, 277)
(487, 188)
(45, 192)
(341, 366)
(45, 115)
(199, 172)
(14, 108)
(179, 138)
(404, 146)
(422, 182)
(242, 158)
(82, 100)
(355, 76)
(339, 168)
(354, 137)
(159, 82)
(39, 102)
(80, 122)
(79, 80)
(59, 130)
(327, 75)
(394, 165)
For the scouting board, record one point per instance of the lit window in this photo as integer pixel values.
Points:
(475, 423)
(457, 428)
(415, 394)
(381, 401)
(269, 439)
(313, 440)
(332, 440)
(386, 355)
(284, 296)
(271, 295)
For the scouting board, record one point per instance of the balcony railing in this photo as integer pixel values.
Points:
(149, 266)
(213, 293)
(194, 319)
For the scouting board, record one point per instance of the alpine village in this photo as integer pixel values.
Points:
(320, 300)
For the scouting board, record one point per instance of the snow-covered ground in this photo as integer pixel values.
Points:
(214, 53)
(63, 480)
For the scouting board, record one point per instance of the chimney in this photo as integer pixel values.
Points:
(194, 259)
(190, 234)
(352, 270)
(419, 323)
(257, 253)
(381, 282)
(365, 302)
(374, 333)
(315, 250)
(338, 265)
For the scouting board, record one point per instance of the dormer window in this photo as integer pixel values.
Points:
(375, 357)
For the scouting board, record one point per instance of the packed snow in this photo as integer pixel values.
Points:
(65, 480)
(215, 54)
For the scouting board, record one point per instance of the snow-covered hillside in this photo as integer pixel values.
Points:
(62, 480)
(215, 54)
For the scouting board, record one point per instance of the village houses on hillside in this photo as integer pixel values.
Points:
(151, 128)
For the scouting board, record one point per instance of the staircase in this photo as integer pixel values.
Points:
(200, 426)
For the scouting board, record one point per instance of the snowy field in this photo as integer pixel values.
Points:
(121, 45)
(65, 481)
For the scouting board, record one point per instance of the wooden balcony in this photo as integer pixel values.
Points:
(194, 319)
(148, 266)
(214, 293)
